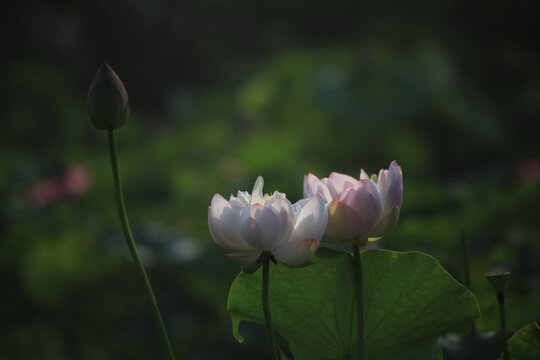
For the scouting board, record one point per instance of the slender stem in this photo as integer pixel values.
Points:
(467, 270)
(502, 313)
(359, 300)
(266, 305)
(133, 249)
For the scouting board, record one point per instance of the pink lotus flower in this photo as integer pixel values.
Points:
(250, 224)
(362, 209)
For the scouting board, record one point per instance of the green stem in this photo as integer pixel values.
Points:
(466, 270)
(502, 313)
(133, 249)
(266, 305)
(359, 300)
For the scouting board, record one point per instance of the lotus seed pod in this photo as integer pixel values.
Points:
(499, 281)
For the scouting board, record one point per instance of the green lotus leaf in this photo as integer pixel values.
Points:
(525, 344)
(409, 300)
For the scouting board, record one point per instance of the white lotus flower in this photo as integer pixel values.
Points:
(250, 224)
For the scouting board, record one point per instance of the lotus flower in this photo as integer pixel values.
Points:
(251, 224)
(362, 209)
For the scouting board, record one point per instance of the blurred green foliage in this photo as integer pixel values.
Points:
(222, 92)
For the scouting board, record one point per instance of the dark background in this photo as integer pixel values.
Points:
(223, 91)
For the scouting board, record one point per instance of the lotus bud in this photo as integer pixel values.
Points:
(107, 99)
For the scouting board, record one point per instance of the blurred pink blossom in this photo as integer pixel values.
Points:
(528, 169)
(73, 183)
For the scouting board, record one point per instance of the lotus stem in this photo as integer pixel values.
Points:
(265, 258)
(133, 249)
(467, 270)
(359, 300)
(502, 313)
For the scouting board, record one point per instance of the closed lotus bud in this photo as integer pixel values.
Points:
(107, 99)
